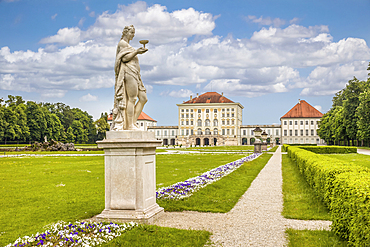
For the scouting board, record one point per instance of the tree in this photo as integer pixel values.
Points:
(79, 132)
(102, 127)
(3, 123)
(23, 131)
(36, 121)
(363, 116)
(11, 128)
(70, 137)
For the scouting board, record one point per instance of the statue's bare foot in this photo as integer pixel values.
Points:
(133, 127)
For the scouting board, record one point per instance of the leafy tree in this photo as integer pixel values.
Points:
(36, 121)
(363, 116)
(79, 132)
(70, 137)
(102, 127)
(3, 123)
(23, 131)
(11, 129)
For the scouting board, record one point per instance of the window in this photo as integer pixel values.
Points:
(199, 111)
(223, 109)
(285, 133)
(232, 132)
(312, 132)
(228, 131)
(301, 132)
(284, 122)
(199, 132)
(182, 110)
(215, 122)
(191, 122)
(187, 122)
(215, 131)
(187, 110)
(208, 132)
(187, 115)
(199, 122)
(165, 132)
(277, 132)
(232, 114)
(191, 132)
(142, 124)
(215, 110)
(207, 123)
(232, 109)
(191, 110)
(295, 122)
(182, 115)
(227, 109)
(187, 132)
(290, 132)
(290, 122)
(157, 132)
(207, 110)
(228, 115)
(173, 132)
(182, 132)
(223, 114)
(306, 122)
(232, 122)
(252, 133)
(223, 131)
(311, 122)
(306, 132)
(301, 122)
(228, 122)
(269, 132)
(296, 132)
(182, 122)
(191, 115)
(244, 132)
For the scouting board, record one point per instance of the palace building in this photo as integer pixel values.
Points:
(300, 124)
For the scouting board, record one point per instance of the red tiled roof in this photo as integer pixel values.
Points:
(303, 110)
(209, 97)
(143, 116)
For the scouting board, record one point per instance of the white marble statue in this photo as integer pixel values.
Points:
(128, 86)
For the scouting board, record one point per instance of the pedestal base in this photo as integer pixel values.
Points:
(130, 179)
(146, 216)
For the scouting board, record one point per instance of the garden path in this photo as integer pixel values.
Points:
(255, 220)
(363, 151)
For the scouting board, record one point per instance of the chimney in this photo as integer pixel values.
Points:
(222, 94)
(197, 94)
(299, 101)
(191, 97)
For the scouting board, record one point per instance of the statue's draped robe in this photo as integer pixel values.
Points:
(120, 97)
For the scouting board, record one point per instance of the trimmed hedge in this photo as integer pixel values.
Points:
(331, 149)
(326, 176)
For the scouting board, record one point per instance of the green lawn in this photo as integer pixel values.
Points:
(146, 235)
(36, 191)
(300, 201)
(220, 196)
(220, 148)
(358, 159)
(306, 238)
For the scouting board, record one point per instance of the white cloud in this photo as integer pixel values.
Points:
(81, 21)
(182, 93)
(277, 22)
(54, 16)
(92, 14)
(88, 97)
(318, 107)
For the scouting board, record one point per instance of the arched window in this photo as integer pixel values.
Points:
(207, 122)
(215, 122)
(199, 122)
(215, 131)
(199, 131)
(208, 132)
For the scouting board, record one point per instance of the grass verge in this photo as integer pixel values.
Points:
(146, 235)
(220, 196)
(300, 201)
(358, 159)
(307, 238)
(273, 149)
(220, 148)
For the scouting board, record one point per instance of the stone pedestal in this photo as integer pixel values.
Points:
(130, 178)
(264, 147)
(257, 147)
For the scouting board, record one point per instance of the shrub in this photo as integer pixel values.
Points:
(330, 149)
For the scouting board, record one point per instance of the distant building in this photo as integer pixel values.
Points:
(273, 131)
(143, 121)
(300, 124)
(167, 134)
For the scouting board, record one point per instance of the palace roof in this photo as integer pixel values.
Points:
(209, 97)
(303, 110)
(142, 116)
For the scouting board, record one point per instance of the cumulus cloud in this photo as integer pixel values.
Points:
(277, 22)
(88, 97)
(318, 107)
(182, 93)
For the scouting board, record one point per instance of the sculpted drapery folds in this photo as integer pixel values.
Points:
(128, 85)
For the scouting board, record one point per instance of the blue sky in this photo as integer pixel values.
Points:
(263, 54)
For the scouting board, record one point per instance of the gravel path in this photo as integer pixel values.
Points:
(363, 151)
(255, 220)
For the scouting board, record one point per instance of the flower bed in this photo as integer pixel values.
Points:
(188, 187)
(76, 234)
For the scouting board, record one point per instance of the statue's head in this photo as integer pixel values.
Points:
(127, 29)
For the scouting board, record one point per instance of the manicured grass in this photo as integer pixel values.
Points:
(173, 168)
(273, 149)
(306, 238)
(51, 152)
(146, 235)
(221, 148)
(39, 191)
(220, 196)
(358, 159)
(300, 201)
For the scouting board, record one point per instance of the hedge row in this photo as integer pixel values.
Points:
(330, 149)
(343, 187)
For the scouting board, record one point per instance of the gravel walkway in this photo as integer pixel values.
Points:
(363, 151)
(255, 220)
